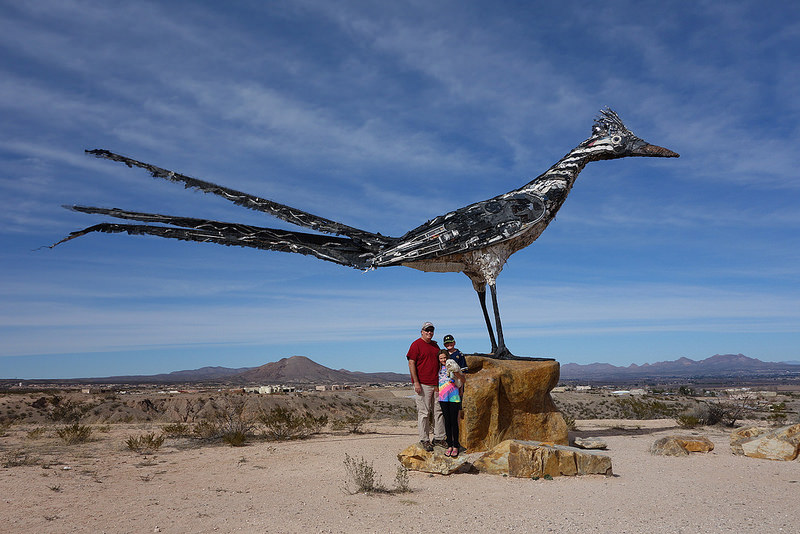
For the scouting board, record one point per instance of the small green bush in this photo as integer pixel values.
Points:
(37, 433)
(66, 410)
(401, 480)
(352, 423)
(145, 443)
(285, 424)
(176, 430)
(233, 420)
(570, 421)
(74, 433)
(687, 421)
(361, 477)
(234, 438)
(634, 408)
(17, 458)
(206, 430)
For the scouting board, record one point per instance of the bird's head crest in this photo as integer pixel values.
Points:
(611, 139)
(608, 122)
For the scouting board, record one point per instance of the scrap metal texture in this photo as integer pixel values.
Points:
(477, 239)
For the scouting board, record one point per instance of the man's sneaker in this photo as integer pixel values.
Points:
(426, 445)
(440, 443)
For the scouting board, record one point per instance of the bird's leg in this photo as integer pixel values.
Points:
(482, 299)
(501, 353)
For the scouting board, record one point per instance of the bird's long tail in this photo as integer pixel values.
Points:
(339, 250)
(287, 213)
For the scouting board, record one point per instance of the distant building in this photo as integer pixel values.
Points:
(583, 388)
(321, 388)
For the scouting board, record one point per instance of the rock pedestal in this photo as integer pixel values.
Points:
(510, 399)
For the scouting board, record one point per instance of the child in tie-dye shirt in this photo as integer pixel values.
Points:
(450, 401)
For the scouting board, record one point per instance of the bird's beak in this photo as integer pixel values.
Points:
(654, 151)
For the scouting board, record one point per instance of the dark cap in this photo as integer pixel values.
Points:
(448, 339)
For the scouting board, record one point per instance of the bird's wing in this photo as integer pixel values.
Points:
(470, 228)
(281, 211)
(339, 250)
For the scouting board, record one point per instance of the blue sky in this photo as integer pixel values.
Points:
(383, 115)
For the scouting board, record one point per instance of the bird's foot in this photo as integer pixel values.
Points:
(502, 353)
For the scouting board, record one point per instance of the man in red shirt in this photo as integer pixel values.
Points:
(423, 364)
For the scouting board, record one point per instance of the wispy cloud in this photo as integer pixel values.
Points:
(383, 116)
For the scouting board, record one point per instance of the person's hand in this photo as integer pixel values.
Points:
(418, 388)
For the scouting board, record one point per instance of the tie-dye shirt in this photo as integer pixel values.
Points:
(448, 392)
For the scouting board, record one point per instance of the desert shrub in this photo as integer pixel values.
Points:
(37, 433)
(687, 421)
(361, 477)
(401, 480)
(17, 458)
(352, 423)
(284, 424)
(777, 413)
(176, 430)
(145, 443)
(702, 414)
(234, 423)
(711, 414)
(66, 410)
(732, 410)
(74, 433)
(633, 408)
(234, 438)
(206, 429)
(570, 421)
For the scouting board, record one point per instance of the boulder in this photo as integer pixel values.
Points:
(778, 444)
(416, 458)
(528, 459)
(681, 445)
(743, 434)
(590, 443)
(510, 399)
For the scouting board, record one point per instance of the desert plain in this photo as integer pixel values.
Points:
(190, 484)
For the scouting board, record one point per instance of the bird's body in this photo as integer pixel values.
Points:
(477, 239)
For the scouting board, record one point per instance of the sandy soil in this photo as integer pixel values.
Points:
(297, 486)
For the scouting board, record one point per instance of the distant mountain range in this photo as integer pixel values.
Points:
(293, 370)
(717, 366)
(301, 370)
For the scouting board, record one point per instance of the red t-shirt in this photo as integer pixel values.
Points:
(427, 357)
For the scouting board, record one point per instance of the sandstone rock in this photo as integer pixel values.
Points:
(668, 447)
(779, 444)
(510, 399)
(536, 459)
(681, 445)
(743, 434)
(416, 458)
(590, 443)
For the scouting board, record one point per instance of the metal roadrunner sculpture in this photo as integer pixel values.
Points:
(475, 240)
